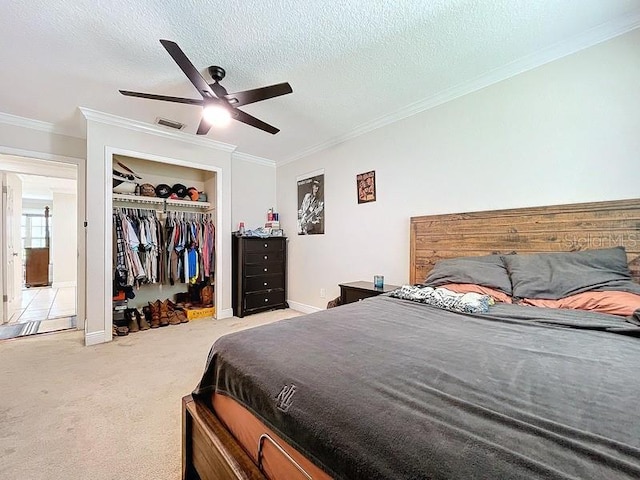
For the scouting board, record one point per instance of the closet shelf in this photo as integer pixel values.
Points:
(166, 202)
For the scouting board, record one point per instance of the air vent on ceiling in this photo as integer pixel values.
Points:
(170, 123)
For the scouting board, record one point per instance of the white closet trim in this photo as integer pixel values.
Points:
(107, 334)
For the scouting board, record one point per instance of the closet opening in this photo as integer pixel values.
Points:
(163, 266)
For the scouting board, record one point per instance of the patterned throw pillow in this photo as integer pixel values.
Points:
(442, 298)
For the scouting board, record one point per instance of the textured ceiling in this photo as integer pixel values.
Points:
(351, 64)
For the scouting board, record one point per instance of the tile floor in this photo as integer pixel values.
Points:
(43, 310)
(45, 303)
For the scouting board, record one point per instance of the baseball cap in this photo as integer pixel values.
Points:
(180, 190)
(163, 190)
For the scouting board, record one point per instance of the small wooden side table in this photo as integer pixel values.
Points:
(356, 291)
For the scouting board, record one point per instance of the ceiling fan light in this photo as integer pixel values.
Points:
(216, 115)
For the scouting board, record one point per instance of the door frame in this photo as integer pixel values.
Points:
(80, 164)
(9, 233)
(3, 252)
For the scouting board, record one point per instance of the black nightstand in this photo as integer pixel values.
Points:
(355, 291)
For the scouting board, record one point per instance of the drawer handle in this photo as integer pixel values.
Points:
(265, 269)
(266, 257)
(266, 245)
(266, 299)
(265, 284)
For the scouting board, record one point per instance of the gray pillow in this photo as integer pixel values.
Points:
(558, 275)
(487, 270)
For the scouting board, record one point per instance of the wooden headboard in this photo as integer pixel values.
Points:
(560, 228)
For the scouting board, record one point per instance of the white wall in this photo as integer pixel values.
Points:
(34, 206)
(566, 132)
(64, 240)
(254, 192)
(108, 135)
(30, 139)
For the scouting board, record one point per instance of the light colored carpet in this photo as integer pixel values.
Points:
(109, 411)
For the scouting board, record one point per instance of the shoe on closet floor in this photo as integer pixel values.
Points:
(178, 312)
(142, 321)
(132, 321)
(146, 312)
(120, 331)
(172, 314)
(206, 296)
(154, 308)
(163, 307)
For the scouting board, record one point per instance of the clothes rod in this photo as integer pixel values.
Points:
(165, 202)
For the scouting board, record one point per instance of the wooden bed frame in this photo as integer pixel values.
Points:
(559, 228)
(209, 451)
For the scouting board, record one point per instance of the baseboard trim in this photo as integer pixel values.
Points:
(94, 338)
(226, 313)
(301, 307)
(63, 284)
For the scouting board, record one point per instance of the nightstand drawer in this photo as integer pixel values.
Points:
(259, 300)
(354, 291)
(264, 245)
(264, 282)
(351, 296)
(264, 269)
(264, 257)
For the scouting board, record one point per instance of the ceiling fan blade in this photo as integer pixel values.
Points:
(190, 101)
(203, 128)
(253, 121)
(219, 90)
(257, 94)
(187, 67)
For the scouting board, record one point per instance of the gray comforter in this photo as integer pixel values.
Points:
(387, 388)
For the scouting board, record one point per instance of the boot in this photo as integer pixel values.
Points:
(142, 322)
(182, 299)
(194, 293)
(178, 312)
(172, 314)
(133, 321)
(206, 296)
(119, 331)
(154, 308)
(164, 312)
(148, 317)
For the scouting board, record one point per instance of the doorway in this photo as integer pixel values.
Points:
(39, 247)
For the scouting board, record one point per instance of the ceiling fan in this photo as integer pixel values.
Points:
(218, 105)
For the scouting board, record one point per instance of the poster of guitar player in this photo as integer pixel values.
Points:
(311, 204)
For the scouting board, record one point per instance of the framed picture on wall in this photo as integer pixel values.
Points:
(311, 203)
(366, 186)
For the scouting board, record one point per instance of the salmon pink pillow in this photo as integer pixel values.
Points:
(611, 302)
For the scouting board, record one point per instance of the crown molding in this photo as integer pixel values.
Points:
(590, 38)
(31, 155)
(23, 122)
(32, 124)
(253, 159)
(116, 121)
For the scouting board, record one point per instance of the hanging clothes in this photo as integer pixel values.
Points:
(136, 245)
(182, 250)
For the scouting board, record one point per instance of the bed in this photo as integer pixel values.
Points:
(391, 388)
